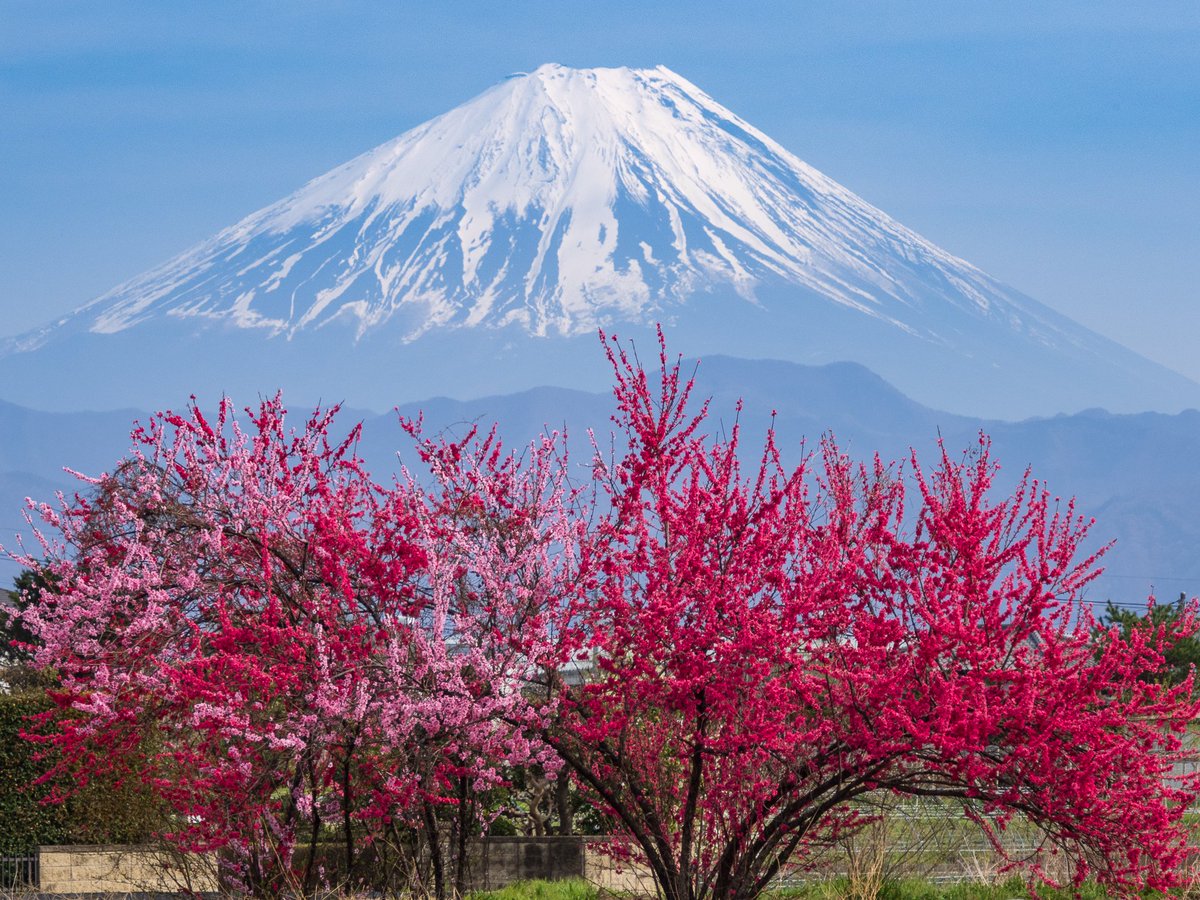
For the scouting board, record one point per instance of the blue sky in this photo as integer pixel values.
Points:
(1057, 146)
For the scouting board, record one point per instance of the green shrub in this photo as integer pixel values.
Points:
(822, 889)
(910, 889)
(976, 890)
(502, 826)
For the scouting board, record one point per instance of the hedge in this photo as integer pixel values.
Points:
(100, 813)
(27, 821)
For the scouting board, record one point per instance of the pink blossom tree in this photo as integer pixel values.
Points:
(503, 536)
(277, 645)
(768, 648)
(215, 597)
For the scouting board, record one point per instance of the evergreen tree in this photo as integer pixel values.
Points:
(14, 635)
(1180, 656)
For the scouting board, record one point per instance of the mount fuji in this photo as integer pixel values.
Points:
(479, 252)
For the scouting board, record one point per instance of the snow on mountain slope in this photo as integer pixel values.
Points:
(563, 200)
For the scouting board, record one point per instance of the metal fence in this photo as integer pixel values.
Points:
(19, 872)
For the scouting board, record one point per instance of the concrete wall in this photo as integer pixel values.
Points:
(503, 860)
(499, 861)
(616, 877)
(119, 870)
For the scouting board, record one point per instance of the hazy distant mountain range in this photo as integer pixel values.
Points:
(480, 251)
(1134, 473)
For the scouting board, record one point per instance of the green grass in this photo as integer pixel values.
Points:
(831, 889)
(919, 889)
(567, 889)
(915, 889)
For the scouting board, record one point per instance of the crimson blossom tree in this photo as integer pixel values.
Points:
(278, 646)
(767, 648)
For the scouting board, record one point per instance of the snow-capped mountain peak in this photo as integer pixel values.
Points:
(565, 199)
(557, 200)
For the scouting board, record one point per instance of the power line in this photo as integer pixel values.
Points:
(1156, 577)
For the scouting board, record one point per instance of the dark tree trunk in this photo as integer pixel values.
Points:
(313, 834)
(346, 805)
(562, 799)
(462, 833)
(435, 851)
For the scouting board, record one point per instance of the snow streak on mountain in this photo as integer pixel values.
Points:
(563, 200)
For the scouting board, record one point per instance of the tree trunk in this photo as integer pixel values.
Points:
(562, 799)
(537, 796)
(313, 835)
(462, 829)
(435, 851)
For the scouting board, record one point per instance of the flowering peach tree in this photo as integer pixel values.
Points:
(277, 645)
(768, 647)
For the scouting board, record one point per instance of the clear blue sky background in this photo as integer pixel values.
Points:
(1056, 145)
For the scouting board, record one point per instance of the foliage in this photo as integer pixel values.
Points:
(916, 889)
(920, 889)
(1168, 623)
(102, 809)
(101, 812)
(15, 636)
(27, 821)
(17, 673)
(831, 889)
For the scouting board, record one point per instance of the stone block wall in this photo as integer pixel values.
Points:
(120, 870)
(495, 862)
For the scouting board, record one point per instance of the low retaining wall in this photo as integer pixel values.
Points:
(617, 878)
(496, 862)
(122, 870)
(503, 860)
(500, 861)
